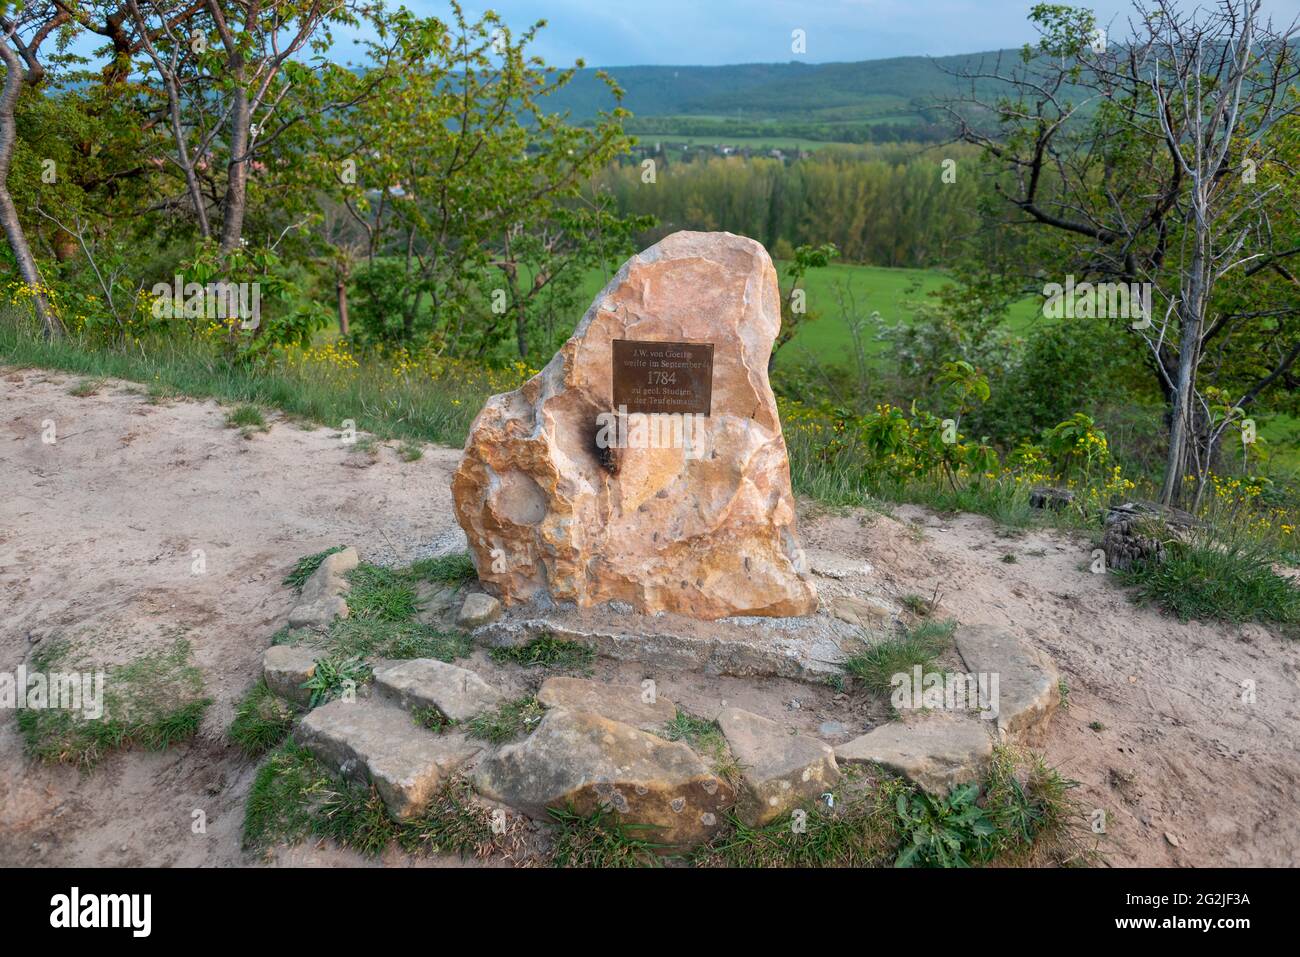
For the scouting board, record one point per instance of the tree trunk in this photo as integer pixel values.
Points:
(1189, 349)
(341, 296)
(232, 226)
(51, 327)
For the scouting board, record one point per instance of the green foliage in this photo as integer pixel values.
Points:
(247, 418)
(261, 722)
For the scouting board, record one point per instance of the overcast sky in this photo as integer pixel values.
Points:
(682, 32)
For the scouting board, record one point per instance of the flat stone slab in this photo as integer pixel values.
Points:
(936, 752)
(625, 703)
(370, 740)
(581, 760)
(285, 668)
(321, 600)
(478, 609)
(809, 647)
(457, 692)
(1028, 680)
(780, 770)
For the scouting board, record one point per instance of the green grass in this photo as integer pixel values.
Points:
(1021, 814)
(246, 417)
(362, 638)
(707, 740)
(600, 840)
(333, 676)
(152, 702)
(453, 569)
(306, 567)
(514, 719)
(876, 666)
(546, 651)
(294, 797)
(261, 722)
(1209, 581)
(381, 594)
(410, 451)
(432, 719)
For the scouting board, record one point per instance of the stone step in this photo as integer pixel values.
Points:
(1028, 680)
(629, 704)
(936, 751)
(376, 741)
(780, 770)
(457, 692)
(285, 668)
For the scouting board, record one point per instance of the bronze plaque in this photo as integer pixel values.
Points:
(663, 376)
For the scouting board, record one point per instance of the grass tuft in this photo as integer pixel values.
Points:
(262, 720)
(600, 840)
(306, 567)
(448, 569)
(876, 666)
(514, 719)
(546, 652)
(381, 594)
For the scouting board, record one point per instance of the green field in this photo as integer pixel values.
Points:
(894, 293)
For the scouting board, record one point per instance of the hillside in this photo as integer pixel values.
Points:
(821, 101)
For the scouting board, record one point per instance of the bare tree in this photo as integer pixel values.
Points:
(20, 44)
(1149, 157)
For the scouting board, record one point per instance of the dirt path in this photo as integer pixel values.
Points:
(97, 539)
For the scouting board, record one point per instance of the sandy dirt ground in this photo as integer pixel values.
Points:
(98, 533)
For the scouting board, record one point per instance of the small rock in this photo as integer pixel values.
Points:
(936, 753)
(625, 703)
(285, 668)
(458, 693)
(1173, 841)
(478, 609)
(781, 771)
(588, 762)
(322, 599)
(1053, 498)
(860, 610)
(832, 728)
(369, 740)
(434, 600)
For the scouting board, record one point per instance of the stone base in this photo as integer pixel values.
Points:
(809, 647)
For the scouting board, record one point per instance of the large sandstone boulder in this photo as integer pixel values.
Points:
(705, 528)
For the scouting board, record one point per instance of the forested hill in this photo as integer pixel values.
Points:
(838, 98)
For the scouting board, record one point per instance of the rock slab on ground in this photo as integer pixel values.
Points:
(780, 770)
(460, 694)
(370, 740)
(285, 668)
(1028, 681)
(321, 599)
(936, 752)
(706, 530)
(638, 706)
(581, 760)
(478, 609)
